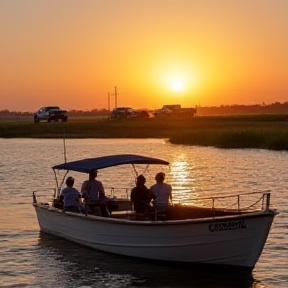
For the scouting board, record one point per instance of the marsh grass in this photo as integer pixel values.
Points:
(252, 131)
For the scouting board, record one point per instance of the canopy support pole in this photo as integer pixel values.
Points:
(57, 190)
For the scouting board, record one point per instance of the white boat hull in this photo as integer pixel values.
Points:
(229, 240)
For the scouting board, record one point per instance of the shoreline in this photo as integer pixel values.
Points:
(250, 131)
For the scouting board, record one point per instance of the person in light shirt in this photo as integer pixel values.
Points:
(92, 189)
(70, 196)
(162, 192)
(93, 193)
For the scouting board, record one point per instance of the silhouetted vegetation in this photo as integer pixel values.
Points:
(274, 108)
(251, 131)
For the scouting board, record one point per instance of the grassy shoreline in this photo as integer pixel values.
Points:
(252, 131)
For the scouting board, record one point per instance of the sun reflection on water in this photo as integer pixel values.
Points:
(182, 179)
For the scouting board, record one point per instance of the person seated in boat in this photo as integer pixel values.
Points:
(141, 196)
(93, 193)
(162, 193)
(70, 197)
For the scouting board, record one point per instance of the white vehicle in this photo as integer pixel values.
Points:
(50, 113)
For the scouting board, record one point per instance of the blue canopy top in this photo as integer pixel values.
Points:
(90, 164)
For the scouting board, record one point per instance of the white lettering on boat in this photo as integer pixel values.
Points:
(231, 225)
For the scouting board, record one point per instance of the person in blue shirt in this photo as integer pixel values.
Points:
(70, 196)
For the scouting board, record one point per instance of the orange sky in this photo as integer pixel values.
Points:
(72, 53)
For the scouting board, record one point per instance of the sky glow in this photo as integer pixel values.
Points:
(72, 53)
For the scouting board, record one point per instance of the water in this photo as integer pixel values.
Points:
(31, 259)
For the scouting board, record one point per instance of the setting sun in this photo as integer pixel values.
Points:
(177, 85)
(176, 76)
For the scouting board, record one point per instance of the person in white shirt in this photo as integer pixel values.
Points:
(163, 193)
(92, 189)
(70, 196)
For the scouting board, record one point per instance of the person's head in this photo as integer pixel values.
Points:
(140, 180)
(160, 177)
(93, 174)
(69, 181)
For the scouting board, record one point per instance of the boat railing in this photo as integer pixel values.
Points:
(48, 194)
(42, 195)
(120, 192)
(250, 201)
(237, 202)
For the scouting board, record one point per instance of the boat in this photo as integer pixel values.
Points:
(185, 233)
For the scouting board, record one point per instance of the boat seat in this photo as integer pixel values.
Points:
(160, 216)
(143, 216)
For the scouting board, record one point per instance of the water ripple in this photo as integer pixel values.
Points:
(29, 259)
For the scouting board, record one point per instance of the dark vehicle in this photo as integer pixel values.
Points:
(123, 112)
(142, 114)
(163, 112)
(175, 110)
(50, 113)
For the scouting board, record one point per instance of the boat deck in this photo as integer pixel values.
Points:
(180, 211)
(176, 213)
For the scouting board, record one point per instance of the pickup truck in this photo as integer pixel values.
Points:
(50, 113)
(175, 110)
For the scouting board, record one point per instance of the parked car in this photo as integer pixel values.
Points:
(142, 113)
(50, 113)
(123, 112)
(163, 112)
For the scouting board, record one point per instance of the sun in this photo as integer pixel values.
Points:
(177, 85)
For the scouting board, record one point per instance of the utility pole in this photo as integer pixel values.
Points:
(116, 97)
(108, 101)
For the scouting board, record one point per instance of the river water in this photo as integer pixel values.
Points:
(32, 259)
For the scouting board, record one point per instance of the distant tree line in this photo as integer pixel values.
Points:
(274, 108)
